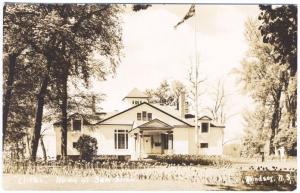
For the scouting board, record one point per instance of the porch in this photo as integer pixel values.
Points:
(153, 138)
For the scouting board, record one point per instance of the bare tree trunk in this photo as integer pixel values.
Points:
(44, 149)
(8, 93)
(275, 120)
(39, 118)
(64, 117)
(28, 145)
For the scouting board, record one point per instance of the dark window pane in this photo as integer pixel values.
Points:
(149, 116)
(164, 140)
(74, 144)
(121, 141)
(204, 145)
(126, 140)
(144, 115)
(204, 127)
(116, 141)
(139, 116)
(76, 125)
(170, 143)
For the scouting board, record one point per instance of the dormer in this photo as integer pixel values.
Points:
(135, 97)
(204, 124)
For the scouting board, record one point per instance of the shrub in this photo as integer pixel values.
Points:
(191, 159)
(87, 146)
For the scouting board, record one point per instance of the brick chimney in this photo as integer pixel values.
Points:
(182, 103)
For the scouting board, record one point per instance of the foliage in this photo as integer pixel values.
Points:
(266, 81)
(287, 138)
(87, 146)
(279, 28)
(166, 93)
(138, 7)
(22, 69)
(191, 159)
(256, 132)
(62, 41)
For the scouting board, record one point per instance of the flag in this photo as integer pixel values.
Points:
(189, 14)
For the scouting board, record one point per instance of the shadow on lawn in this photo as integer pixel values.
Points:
(252, 188)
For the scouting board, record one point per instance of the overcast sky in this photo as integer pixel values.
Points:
(154, 51)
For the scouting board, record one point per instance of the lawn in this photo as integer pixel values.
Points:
(239, 175)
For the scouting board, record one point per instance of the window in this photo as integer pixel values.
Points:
(203, 145)
(167, 141)
(149, 116)
(170, 141)
(204, 127)
(139, 116)
(76, 125)
(133, 102)
(136, 102)
(144, 115)
(74, 144)
(121, 139)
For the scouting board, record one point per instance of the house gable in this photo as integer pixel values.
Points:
(129, 116)
(155, 123)
(205, 118)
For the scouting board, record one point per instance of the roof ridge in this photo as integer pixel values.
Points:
(179, 119)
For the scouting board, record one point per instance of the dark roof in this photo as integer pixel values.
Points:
(214, 125)
(135, 93)
(205, 117)
(189, 116)
(158, 124)
(88, 119)
(148, 105)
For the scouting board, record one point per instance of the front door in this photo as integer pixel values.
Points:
(147, 144)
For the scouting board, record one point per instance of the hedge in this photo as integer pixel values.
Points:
(179, 159)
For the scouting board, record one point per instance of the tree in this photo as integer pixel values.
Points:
(17, 55)
(138, 7)
(256, 131)
(177, 89)
(67, 35)
(217, 110)
(261, 77)
(87, 147)
(279, 28)
(195, 82)
(102, 35)
(167, 93)
(266, 81)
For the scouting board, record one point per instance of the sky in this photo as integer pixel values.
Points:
(154, 51)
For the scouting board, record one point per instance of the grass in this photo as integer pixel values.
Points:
(107, 174)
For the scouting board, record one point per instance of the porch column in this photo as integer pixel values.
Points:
(141, 143)
(170, 141)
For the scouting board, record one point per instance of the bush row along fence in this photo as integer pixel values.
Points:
(192, 160)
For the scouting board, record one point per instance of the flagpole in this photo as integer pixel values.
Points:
(196, 85)
(191, 13)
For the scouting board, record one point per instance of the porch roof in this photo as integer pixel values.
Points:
(154, 125)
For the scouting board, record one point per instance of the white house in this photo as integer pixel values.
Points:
(144, 129)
